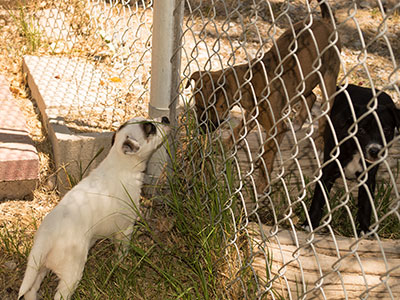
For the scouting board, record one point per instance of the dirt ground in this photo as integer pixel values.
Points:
(44, 197)
(24, 215)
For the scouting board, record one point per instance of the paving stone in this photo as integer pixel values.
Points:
(60, 84)
(19, 162)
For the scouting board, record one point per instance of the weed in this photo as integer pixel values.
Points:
(200, 181)
(343, 207)
(27, 28)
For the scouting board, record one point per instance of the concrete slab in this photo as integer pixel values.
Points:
(66, 88)
(19, 161)
(64, 84)
(59, 85)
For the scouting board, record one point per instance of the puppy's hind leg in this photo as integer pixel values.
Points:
(69, 282)
(32, 293)
(70, 274)
(365, 201)
(122, 240)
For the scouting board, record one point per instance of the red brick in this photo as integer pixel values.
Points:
(19, 161)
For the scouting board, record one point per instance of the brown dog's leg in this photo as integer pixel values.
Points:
(268, 158)
(270, 146)
(306, 107)
(234, 137)
(330, 85)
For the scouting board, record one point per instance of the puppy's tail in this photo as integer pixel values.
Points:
(34, 266)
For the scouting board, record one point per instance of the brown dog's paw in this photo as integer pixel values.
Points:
(227, 143)
(319, 142)
(297, 124)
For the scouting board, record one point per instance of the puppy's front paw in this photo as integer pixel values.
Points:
(306, 227)
(366, 234)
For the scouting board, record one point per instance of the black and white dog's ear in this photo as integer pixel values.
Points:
(149, 128)
(130, 146)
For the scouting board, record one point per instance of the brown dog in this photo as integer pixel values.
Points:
(303, 57)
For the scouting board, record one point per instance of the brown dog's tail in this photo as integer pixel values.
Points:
(195, 76)
(325, 10)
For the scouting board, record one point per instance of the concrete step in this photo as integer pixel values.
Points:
(60, 85)
(19, 161)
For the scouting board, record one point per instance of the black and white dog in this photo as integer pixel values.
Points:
(101, 205)
(358, 154)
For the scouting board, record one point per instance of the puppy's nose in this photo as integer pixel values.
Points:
(374, 150)
(164, 120)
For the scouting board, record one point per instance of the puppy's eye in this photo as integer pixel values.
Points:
(361, 131)
(149, 128)
(387, 131)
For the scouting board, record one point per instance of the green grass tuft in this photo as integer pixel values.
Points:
(27, 28)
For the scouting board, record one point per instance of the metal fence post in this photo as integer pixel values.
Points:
(165, 71)
(165, 61)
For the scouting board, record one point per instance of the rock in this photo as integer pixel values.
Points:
(11, 265)
(365, 4)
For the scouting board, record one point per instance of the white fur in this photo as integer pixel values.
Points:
(353, 167)
(99, 206)
(306, 228)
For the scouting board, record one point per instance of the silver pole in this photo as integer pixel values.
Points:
(165, 73)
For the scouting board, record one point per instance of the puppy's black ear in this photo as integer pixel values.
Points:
(195, 76)
(130, 146)
(149, 128)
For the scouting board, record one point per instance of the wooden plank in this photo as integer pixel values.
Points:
(336, 268)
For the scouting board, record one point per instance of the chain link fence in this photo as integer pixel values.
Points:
(104, 58)
(242, 73)
(266, 171)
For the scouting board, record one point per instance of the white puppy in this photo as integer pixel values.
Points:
(101, 205)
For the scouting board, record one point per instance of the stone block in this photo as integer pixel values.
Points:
(72, 151)
(19, 161)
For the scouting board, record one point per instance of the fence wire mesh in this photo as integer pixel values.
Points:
(100, 76)
(262, 181)
(251, 67)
